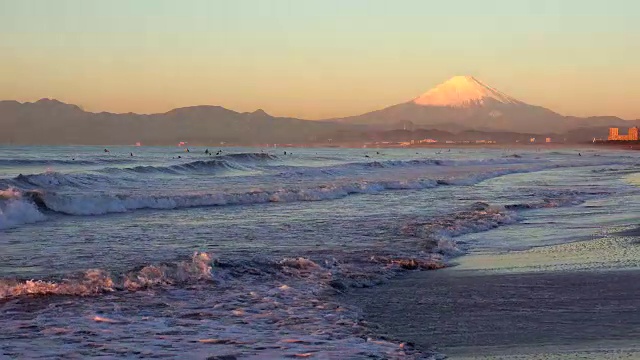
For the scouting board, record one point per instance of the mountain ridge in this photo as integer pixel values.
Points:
(468, 102)
(460, 104)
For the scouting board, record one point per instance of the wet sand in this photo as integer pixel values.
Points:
(544, 315)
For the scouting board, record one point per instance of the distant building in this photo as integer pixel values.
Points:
(547, 140)
(614, 134)
(532, 140)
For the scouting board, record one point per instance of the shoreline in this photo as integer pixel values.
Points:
(468, 314)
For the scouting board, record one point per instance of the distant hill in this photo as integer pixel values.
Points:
(462, 107)
(53, 122)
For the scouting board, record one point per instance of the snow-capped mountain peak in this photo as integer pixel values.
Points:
(462, 91)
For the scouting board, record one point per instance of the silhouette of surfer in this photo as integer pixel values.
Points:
(106, 150)
(131, 154)
(206, 152)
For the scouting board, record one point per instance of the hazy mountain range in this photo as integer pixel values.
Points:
(459, 108)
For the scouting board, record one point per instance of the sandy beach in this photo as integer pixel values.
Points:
(465, 314)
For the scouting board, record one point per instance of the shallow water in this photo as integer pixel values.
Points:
(151, 255)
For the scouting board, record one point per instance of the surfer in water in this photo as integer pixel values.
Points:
(106, 150)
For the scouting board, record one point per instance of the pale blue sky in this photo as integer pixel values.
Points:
(316, 59)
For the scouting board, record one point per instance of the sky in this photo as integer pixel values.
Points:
(318, 59)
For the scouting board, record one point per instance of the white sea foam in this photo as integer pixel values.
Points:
(97, 281)
(16, 211)
(98, 204)
(603, 252)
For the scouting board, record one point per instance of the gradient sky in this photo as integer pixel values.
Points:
(318, 59)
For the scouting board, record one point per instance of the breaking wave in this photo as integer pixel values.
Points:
(240, 161)
(480, 217)
(58, 162)
(16, 211)
(200, 166)
(34, 194)
(436, 238)
(100, 204)
(288, 171)
(55, 179)
(97, 281)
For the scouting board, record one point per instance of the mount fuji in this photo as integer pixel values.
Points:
(464, 102)
(458, 106)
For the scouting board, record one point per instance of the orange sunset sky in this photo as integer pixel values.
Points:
(318, 59)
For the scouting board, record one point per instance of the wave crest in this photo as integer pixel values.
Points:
(97, 281)
(16, 211)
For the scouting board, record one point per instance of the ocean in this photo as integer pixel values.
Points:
(155, 252)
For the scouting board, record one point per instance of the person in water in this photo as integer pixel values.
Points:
(206, 152)
(131, 154)
(106, 150)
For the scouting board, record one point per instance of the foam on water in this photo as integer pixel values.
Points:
(99, 204)
(607, 251)
(52, 162)
(16, 211)
(272, 308)
(269, 297)
(437, 236)
(139, 295)
(97, 281)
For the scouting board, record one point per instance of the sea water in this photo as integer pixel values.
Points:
(158, 252)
